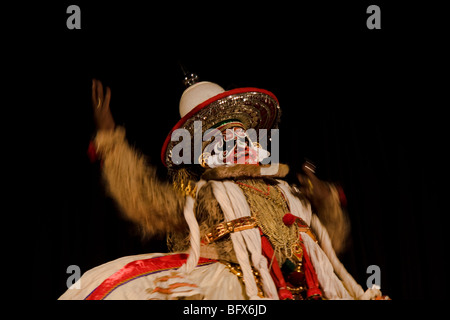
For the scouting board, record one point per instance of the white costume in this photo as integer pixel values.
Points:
(194, 274)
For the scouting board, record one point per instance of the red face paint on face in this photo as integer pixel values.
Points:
(239, 151)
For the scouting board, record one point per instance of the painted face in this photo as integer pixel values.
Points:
(235, 147)
(238, 147)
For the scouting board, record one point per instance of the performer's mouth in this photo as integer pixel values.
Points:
(246, 156)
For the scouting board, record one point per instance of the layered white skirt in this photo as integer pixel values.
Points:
(155, 276)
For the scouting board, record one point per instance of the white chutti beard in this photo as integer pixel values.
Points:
(219, 159)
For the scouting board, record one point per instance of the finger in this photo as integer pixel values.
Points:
(310, 170)
(99, 91)
(94, 93)
(107, 98)
(308, 165)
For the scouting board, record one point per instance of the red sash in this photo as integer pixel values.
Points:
(140, 268)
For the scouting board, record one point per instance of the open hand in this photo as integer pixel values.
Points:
(317, 191)
(100, 103)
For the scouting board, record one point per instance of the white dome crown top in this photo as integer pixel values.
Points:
(196, 94)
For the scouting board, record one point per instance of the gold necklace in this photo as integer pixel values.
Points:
(269, 214)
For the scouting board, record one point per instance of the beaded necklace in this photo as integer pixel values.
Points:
(268, 206)
(271, 210)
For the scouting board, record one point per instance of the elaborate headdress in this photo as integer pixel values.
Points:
(209, 103)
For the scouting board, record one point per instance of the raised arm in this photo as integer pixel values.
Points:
(326, 202)
(152, 204)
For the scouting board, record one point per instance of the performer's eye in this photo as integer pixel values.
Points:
(228, 135)
(239, 132)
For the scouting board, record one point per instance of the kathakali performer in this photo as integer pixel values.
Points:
(235, 228)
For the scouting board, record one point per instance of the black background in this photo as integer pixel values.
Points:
(362, 104)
